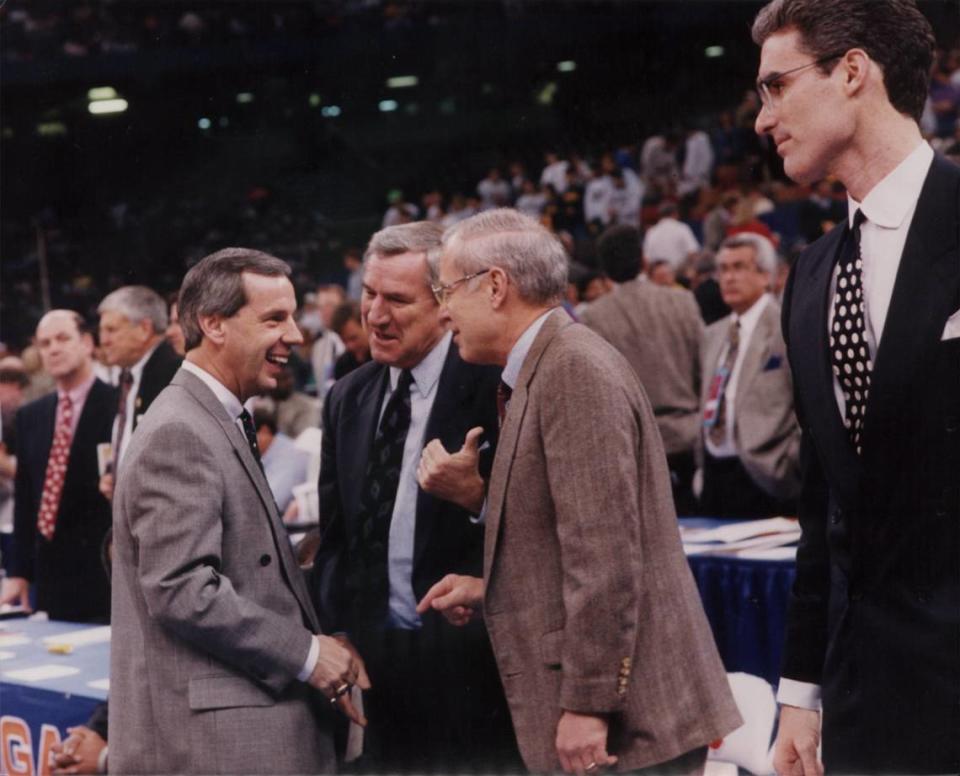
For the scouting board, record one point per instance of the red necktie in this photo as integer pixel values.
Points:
(56, 470)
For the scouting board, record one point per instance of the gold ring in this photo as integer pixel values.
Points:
(592, 767)
(342, 690)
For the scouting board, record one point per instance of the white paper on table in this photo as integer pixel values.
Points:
(735, 548)
(41, 673)
(772, 553)
(735, 532)
(81, 638)
(7, 655)
(100, 684)
(13, 639)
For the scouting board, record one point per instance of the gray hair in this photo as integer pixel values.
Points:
(532, 257)
(416, 237)
(137, 303)
(764, 254)
(214, 286)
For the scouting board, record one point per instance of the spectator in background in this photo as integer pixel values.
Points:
(658, 331)
(821, 210)
(531, 202)
(662, 274)
(658, 160)
(13, 380)
(60, 518)
(284, 464)
(554, 172)
(493, 190)
(751, 439)
(400, 211)
(293, 410)
(697, 164)
(348, 326)
(718, 220)
(460, 208)
(670, 240)
(706, 290)
(327, 345)
(353, 264)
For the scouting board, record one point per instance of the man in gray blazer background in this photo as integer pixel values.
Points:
(751, 439)
(658, 331)
(603, 648)
(215, 645)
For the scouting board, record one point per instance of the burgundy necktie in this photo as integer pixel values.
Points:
(56, 470)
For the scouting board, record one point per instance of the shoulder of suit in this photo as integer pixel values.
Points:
(720, 325)
(38, 406)
(356, 380)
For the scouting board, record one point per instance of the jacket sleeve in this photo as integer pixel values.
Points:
(19, 562)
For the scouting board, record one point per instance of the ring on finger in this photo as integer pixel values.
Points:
(342, 690)
(592, 767)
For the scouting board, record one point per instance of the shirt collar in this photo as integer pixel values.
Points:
(518, 353)
(137, 369)
(224, 395)
(427, 372)
(890, 202)
(79, 393)
(748, 321)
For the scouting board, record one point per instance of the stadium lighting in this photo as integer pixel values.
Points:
(314, 100)
(567, 66)
(245, 98)
(402, 81)
(204, 123)
(330, 111)
(51, 129)
(712, 52)
(387, 106)
(102, 107)
(101, 93)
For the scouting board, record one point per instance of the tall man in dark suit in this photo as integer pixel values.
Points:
(872, 324)
(435, 703)
(60, 518)
(133, 324)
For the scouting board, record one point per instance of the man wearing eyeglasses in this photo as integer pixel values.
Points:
(435, 704)
(872, 327)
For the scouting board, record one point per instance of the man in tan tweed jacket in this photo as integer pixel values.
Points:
(606, 658)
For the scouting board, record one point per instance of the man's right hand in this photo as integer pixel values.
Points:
(106, 486)
(339, 666)
(15, 590)
(457, 597)
(795, 750)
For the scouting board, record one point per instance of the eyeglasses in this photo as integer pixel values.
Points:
(771, 90)
(442, 291)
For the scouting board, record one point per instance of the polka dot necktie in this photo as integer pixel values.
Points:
(849, 352)
(56, 470)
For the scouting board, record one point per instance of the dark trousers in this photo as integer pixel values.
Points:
(436, 706)
(728, 491)
(682, 466)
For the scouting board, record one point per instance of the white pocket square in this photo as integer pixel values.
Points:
(952, 329)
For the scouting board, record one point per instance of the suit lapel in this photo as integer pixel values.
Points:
(510, 434)
(258, 479)
(716, 337)
(758, 351)
(924, 296)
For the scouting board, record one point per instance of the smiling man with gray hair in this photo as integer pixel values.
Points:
(603, 648)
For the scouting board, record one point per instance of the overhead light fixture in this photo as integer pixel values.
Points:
(102, 107)
(712, 52)
(314, 100)
(51, 129)
(204, 123)
(101, 93)
(330, 111)
(567, 66)
(245, 98)
(547, 93)
(402, 81)
(387, 106)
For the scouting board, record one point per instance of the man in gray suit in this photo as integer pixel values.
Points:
(603, 648)
(751, 440)
(215, 645)
(658, 331)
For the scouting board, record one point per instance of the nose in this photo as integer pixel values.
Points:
(292, 334)
(766, 120)
(379, 311)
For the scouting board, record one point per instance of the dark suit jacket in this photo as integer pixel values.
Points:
(157, 374)
(70, 580)
(875, 612)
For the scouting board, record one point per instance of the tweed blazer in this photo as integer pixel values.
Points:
(590, 604)
(212, 619)
(658, 331)
(765, 428)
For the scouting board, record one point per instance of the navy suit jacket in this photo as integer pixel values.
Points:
(157, 374)
(875, 612)
(71, 583)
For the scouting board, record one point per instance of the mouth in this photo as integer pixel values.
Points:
(380, 336)
(278, 360)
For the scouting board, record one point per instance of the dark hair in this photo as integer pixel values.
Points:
(618, 252)
(15, 376)
(348, 311)
(214, 286)
(894, 33)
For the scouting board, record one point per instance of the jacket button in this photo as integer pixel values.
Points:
(264, 560)
(952, 425)
(837, 516)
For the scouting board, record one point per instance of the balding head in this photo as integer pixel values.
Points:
(66, 348)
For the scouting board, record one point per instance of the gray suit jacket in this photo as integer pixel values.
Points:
(658, 331)
(765, 429)
(590, 604)
(212, 620)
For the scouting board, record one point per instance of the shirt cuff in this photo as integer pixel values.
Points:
(313, 656)
(801, 694)
(480, 519)
(102, 760)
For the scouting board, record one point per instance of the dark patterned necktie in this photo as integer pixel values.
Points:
(126, 383)
(718, 430)
(849, 353)
(504, 392)
(371, 575)
(251, 434)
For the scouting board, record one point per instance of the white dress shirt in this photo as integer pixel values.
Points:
(889, 208)
(748, 322)
(669, 240)
(136, 371)
(403, 522)
(231, 403)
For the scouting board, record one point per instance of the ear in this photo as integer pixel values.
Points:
(499, 283)
(213, 328)
(88, 344)
(856, 67)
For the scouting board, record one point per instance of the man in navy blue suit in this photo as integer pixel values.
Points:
(60, 517)
(871, 318)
